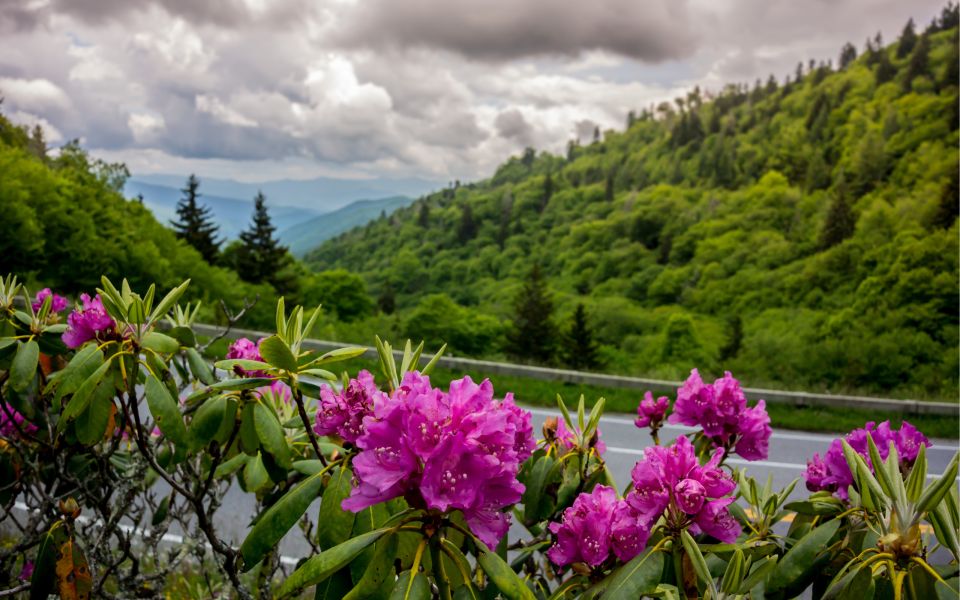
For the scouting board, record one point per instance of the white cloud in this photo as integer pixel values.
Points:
(40, 94)
(50, 133)
(213, 106)
(145, 126)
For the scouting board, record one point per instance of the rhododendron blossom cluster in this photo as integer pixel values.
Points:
(245, 349)
(832, 473)
(597, 525)
(11, 421)
(342, 413)
(670, 482)
(57, 303)
(454, 450)
(650, 412)
(91, 322)
(721, 411)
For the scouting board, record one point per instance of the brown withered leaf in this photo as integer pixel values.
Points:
(73, 573)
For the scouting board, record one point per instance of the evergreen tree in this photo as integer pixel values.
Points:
(533, 336)
(608, 191)
(468, 228)
(848, 54)
(596, 134)
(949, 206)
(547, 192)
(386, 301)
(885, 70)
(908, 39)
(423, 217)
(195, 225)
(732, 347)
(260, 257)
(951, 71)
(580, 351)
(919, 64)
(841, 222)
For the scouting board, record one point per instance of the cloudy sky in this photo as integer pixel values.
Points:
(440, 89)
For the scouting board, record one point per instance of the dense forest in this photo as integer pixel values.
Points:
(798, 231)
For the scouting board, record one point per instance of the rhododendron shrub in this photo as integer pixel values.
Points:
(115, 427)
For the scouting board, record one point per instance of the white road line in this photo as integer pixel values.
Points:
(171, 538)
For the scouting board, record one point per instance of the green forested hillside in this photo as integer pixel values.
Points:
(64, 223)
(799, 234)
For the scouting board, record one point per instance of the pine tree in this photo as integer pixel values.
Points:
(885, 70)
(908, 39)
(848, 54)
(735, 341)
(919, 64)
(580, 351)
(468, 228)
(261, 256)
(949, 206)
(533, 336)
(841, 222)
(547, 192)
(386, 301)
(195, 225)
(596, 134)
(423, 217)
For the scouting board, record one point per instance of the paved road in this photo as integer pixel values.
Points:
(789, 451)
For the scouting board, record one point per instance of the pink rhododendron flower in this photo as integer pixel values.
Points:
(650, 412)
(597, 524)
(57, 303)
(245, 349)
(88, 323)
(454, 450)
(832, 473)
(721, 410)
(669, 481)
(341, 413)
(568, 439)
(11, 420)
(27, 571)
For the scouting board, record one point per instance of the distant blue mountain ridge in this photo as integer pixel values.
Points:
(298, 227)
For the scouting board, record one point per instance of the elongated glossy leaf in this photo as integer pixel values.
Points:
(246, 365)
(636, 578)
(81, 366)
(247, 383)
(231, 466)
(533, 496)
(500, 573)
(271, 434)
(168, 301)
(91, 424)
(317, 568)
(24, 365)
(159, 342)
(166, 412)
(733, 575)
(278, 520)
(255, 474)
(759, 574)
(377, 570)
(81, 398)
(416, 587)
(796, 563)
(73, 574)
(335, 523)
(44, 568)
(276, 352)
(337, 355)
(335, 587)
(699, 563)
(207, 421)
(249, 440)
(918, 475)
(183, 335)
(935, 492)
(199, 367)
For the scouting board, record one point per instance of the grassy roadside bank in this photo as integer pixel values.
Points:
(543, 393)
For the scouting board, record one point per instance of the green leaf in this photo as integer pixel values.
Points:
(184, 335)
(206, 421)
(276, 352)
(81, 398)
(335, 587)
(91, 424)
(566, 413)
(271, 434)
(231, 466)
(733, 575)
(433, 361)
(759, 574)
(318, 568)
(24, 365)
(416, 587)
(337, 355)
(168, 301)
(918, 475)
(44, 568)
(500, 573)
(255, 474)
(166, 412)
(699, 563)
(247, 383)
(935, 492)
(636, 578)
(533, 496)
(159, 342)
(278, 520)
(199, 367)
(246, 365)
(797, 563)
(377, 570)
(337, 523)
(594, 419)
(944, 528)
